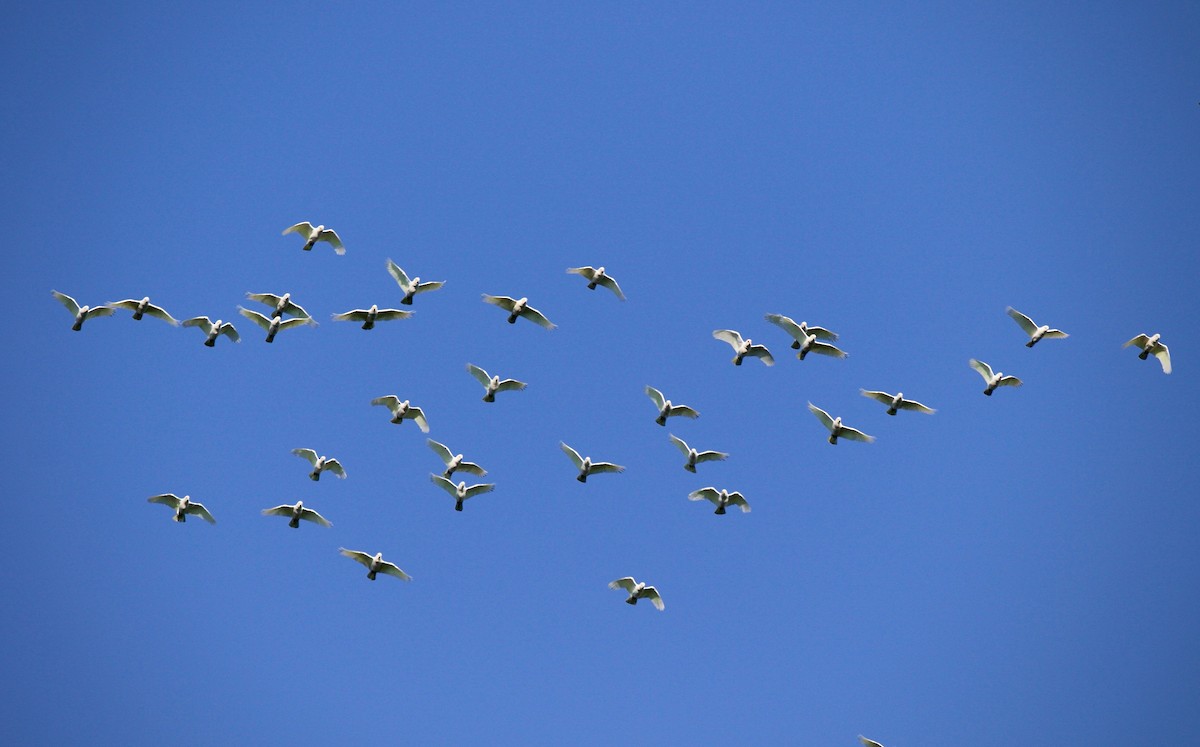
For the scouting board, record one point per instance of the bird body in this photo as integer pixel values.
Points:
(811, 344)
(1150, 345)
(454, 462)
(800, 332)
(461, 492)
(142, 307)
(586, 466)
(519, 307)
(411, 287)
(695, 457)
(182, 506)
(82, 313)
(721, 499)
(296, 513)
(1034, 331)
(493, 384)
(597, 276)
(897, 402)
(375, 564)
(638, 590)
(320, 464)
(368, 317)
(213, 329)
(743, 347)
(402, 411)
(275, 324)
(666, 409)
(836, 428)
(312, 234)
(280, 305)
(993, 379)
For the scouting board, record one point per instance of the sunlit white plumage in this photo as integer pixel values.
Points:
(666, 409)
(1034, 331)
(368, 317)
(275, 324)
(297, 512)
(461, 492)
(586, 466)
(836, 429)
(695, 457)
(454, 462)
(141, 307)
(638, 590)
(411, 287)
(493, 384)
(993, 379)
(897, 402)
(800, 332)
(375, 564)
(320, 464)
(598, 276)
(183, 507)
(868, 742)
(402, 410)
(1150, 345)
(312, 234)
(742, 348)
(81, 313)
(213, 329)
(720, 499)
(519, 307)
(280, 305)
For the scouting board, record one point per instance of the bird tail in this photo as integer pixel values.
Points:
(295, 522)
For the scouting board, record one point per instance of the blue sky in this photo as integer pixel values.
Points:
(1015, 570)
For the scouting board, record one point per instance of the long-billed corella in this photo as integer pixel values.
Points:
(275, 324)
(368, 317)
(454, 462)
(81, 313)
(519, 307)
(993, 378)
(800, 332)
(666, 409)
(411, 287)
(897, 402)
(743, 347)
(402, 410)
(1151, 345)
(141, 307)
(320, 464)
(695, 457)
(280, 305)
(638, 590)
(296, 512)
(720, 499)
(598, 276)
(212, 329)
(837, 429)
(461, 491)
(586, 466)
(375, 564)
(1036, 332)
(183, 507)
(494, 384)
(312, 234)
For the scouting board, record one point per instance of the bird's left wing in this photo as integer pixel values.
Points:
(537, 317)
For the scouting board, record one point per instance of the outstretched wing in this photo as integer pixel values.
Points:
(357, 315)
(537, 317)
(680, 444)
(430, 285)
(308, 454)
(854, 434)
(684, 411)
(1009, 381)
(334, 466)
(444, 484)
(298, 321)
(1140, 341)
(399, 275)
(503, 302)
(161, 313)
(441, 450)
(655, 395)
(602, 467)
(651, 594)
(786, 324)
(705, 494)
(739, 500)
(510, 384)
(908, 404)
(392, 569)
(304, 228)
(417, 415)
(387, 315)
(1161, 352)
(295, 309)
(69, 302)
(883, 397)
(1025, 322)
(330, 237)
(480, 375)
(471, 468)
(711, 456)
(202, 322)
(167, 499)
(868, 742)
(572, 454)
(729, 336)
(587, 272)
(269, 299)
(357, 555)
(198, 509)
(611, 284)
(99, 311)
(255, 317)
(389, 401)
(1055, 334)
(480, 489)
(821, 415)
(284, 510)
(627, 583)
(230, 331)
(821, 333)
(825, 348)
(309, 515)
(761, 352)
(982, 368)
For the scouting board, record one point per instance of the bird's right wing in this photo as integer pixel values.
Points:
(304, 228)
(982, 368)
(389, 401)
(729, 336)
(627, 583)
(572, 454)
(167, 499)
(255, 317)
(655, 395)
(705, 494)
(503, 302)
(129, 304)
(1025, 322)
(587, 272)
(786, 324)
(821, 415)
(441, 450)
(680, 444)
(269, 299)
(1140, 341)
(284, 510)
(66, 301)
(202, 322)
(308, 454)
(357, 555)
(883, 397)
(480, 375)
(357, 315)
(399, 275)
(444, 484)
(868, 742)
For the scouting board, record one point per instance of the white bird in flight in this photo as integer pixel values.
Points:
(1033, 330)
(411, 287)
(296, 513)
(800, 332)
(81, 313)
(402, 411)
(666, 409)
(320, 464)
(461, 492)
(519, 307)
(275, 324)
(493, 384)
(586, 466)
(897, 402)
(213, 329)
(183, 506)
(720, 499)
(368, 317)
(1150, 345)
(696, 457)
(993, 379)
(375, 564)
(597, 276)
(868, 742)
(454, 462)
(312, 234)
(280, 305)
(742, 348)
(143, 307)
(638, 590)
(836, 429)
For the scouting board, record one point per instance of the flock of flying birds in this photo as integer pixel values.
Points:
(285, 313)
(805, 339)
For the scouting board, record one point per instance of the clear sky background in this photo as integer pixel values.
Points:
(1015, 570)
